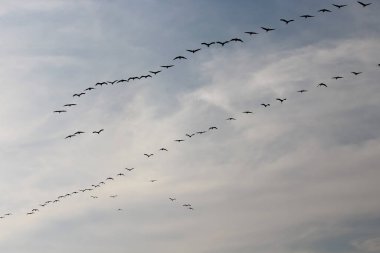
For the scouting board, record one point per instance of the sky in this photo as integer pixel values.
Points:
(299, 176)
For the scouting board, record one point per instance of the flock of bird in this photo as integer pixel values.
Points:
(149, 155)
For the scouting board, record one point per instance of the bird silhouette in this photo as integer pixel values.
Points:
(89, 88)
(70, 136)
(281, 99)
(30, 213)
(98, 132)
(247, 112)
(180, 58)
(237, 40)
(324, 10)
(122, 81)
(109, 178)
(251, 33)
(148, 155)
(129, 169)
(79, 132)
(59, 111)
(267, 29)
(100, 84)
(167, 66)
(193, 51)
(213, 128)
(79, 94)
(265, 105)
(155, 72)
(364, 4)
(356, 73)
(339, 6)
(287, 21)
(201, 132)
(222, 43)
(172, 199)
(207, 44)
(337, 77)
(113, 196)
(163, 149)
(302, 91)
(120, 174)
(179, 140)
(190, 135)
(153, 180)
(68, 105)
(112, 82)
(307, 16)
(322, 84)
(231, 118)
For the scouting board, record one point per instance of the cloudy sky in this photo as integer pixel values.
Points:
(298, 177)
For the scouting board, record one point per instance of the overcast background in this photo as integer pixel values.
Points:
(301, 177)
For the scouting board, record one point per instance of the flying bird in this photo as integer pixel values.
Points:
(100, 83)
(356, 73)
(120, 174)
(69, 105)
(324, 10)
(193, 51)
(79, 94)
(153, 180)
(307, 16)
(339, 6)
(163, 149)
(190, 135)
(322, 84)
(130, 169)
(337, 77)
(237, 40)
(98, 132)
(179, 140)
(172, 199)
(230, 119)
(212, 128)
(281, 99)
(265, 105)
(113, 196)
(109, 178)
(287, 21)
(60, 111)
(201, 132)
(29, 213)
(112, 82)
(70, 136)
(302, 91)
(267, 29)
(167, 66)
(79, 132)
(207, 44)
(148, 155)
(180, 57)
(222, 43)
(155, 72)
(364, 4)
(251, 33)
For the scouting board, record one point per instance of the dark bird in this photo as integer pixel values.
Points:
(251, 33)
(364, 4)
(79, 132)
(302, 91)
(130, 169)
(193, 51)
(69, 105)
(222, 43)
(212, 128)
(109, 178)
(201, 132)
(267, 29)
(29, 213)
(189, 135)
(98, 132)
(265, 105)
(89, 88)
(287, 21)
(60, 111)
(120, 174)
(55, 201)
(100, 83)
(163, 149)
(307, 16)
(35, 210)
(324, 10)
(339, 6)
(103, 182)
(78, 94)
(356, 73)
(148, 155)
(281, 99)
(179, 140)
(7, 214)
(167, 66)
(190, 208)
(322, 84)
(122, 81)
(153, 180)
(112, 82)
(247, 112)
(172, 199)
(207, 44)
(155, 72)
(230, 119)
(237, 40)
(180, 57)
(74, 193)
(113, 196)
(186, 205)
(146, 76)
(337, 77)
(70, 136)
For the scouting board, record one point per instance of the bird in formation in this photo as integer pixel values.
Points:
(287, 21)
(98, 132)
(364, 4)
